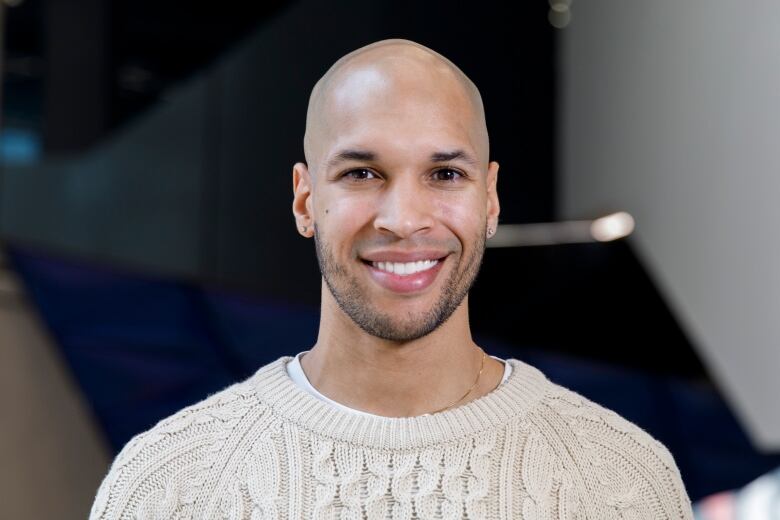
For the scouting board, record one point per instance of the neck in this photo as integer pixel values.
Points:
(397, 379)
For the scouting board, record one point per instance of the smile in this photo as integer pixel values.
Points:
(404, 277)
(405, 268)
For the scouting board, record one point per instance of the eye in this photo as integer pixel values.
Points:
(360, 174)
(447, 175)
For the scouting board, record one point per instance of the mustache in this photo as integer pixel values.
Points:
(376, 242)
(405, 244)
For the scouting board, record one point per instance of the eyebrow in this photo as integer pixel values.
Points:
(352, 155)
(366, 155)
(453, 155)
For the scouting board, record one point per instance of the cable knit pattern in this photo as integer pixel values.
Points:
(266, 449)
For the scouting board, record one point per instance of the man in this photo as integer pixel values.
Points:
(395, 412)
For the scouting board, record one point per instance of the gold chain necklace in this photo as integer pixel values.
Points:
(481, 367)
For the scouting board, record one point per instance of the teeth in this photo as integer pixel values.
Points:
(405, 268)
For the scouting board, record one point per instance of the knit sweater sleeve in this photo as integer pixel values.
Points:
(164, 471)
(617, 469)
(116, 484)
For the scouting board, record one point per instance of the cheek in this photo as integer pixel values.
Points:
(340, 216)
(462, 214)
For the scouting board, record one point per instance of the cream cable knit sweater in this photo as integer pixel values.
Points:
(265, 448)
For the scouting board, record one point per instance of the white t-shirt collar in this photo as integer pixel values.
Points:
(295, 370)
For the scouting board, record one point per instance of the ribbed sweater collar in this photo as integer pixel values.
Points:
(524, 388)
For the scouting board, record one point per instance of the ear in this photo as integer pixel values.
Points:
(302, 200)
(493, 207)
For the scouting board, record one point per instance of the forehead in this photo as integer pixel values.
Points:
(398, 117)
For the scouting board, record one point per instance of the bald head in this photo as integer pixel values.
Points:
(397, 77)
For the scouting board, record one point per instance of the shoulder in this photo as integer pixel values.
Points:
(159, 473)
(618, 469)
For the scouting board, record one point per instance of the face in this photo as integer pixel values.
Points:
(399, 201)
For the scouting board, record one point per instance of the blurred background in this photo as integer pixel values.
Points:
(148, 254)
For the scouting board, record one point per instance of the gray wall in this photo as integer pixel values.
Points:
(136, 199)
(671, 111)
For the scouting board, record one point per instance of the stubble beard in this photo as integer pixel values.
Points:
(353, 299)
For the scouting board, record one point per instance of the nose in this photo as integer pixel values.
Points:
(404, 208)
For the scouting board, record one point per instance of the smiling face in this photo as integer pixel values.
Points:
(398, 193)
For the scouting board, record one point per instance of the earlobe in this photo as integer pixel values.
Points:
(302, 202)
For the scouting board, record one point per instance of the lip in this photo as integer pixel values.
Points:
(405, 284)
(404, 256)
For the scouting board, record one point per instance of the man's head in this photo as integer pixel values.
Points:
(397, 172)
